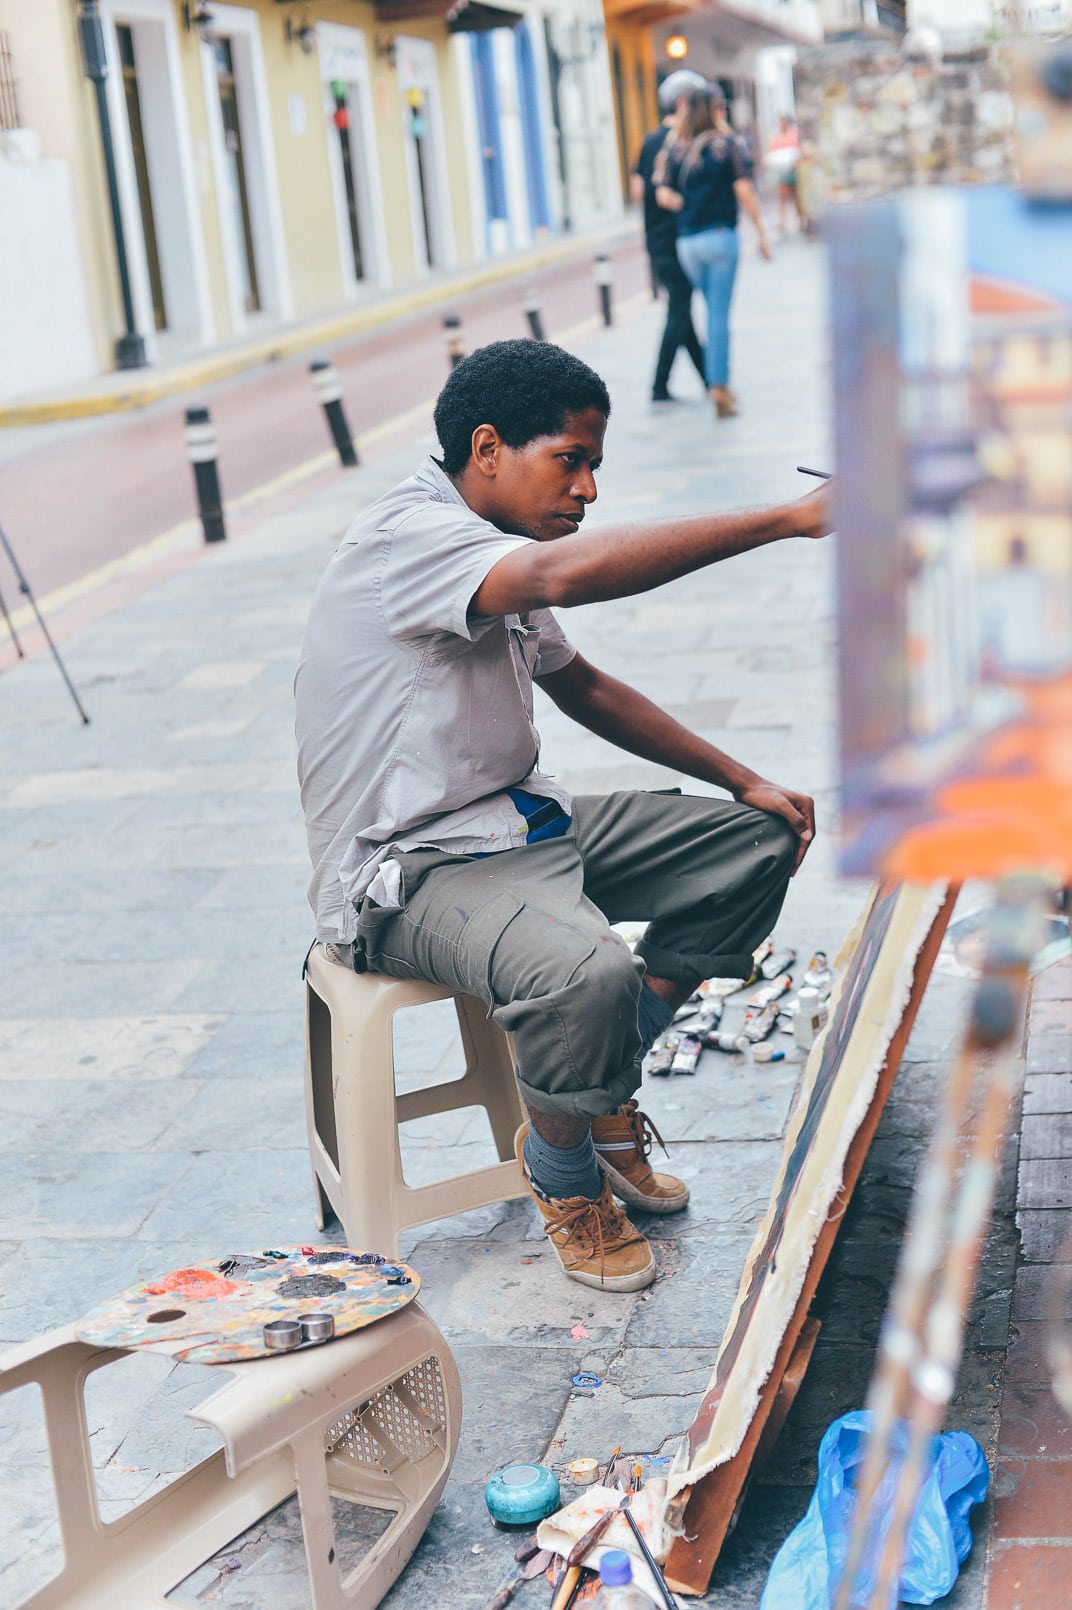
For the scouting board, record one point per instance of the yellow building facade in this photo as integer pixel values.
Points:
(274, 161)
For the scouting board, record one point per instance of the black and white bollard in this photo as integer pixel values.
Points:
(329, 392)
(530, 301)
(201, 451)
(452, 334)
(603, 274)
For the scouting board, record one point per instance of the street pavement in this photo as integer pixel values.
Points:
(152, 905)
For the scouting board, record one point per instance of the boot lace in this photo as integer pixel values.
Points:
(597, 1224)
(642, 1129)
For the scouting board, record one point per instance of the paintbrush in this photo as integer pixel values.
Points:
(653, 1564)
(567, 1587)
(610, 1465)
(594, 1533)
(821, 475)
(636, 1478)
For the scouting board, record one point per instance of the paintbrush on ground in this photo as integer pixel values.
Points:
(653, 1565)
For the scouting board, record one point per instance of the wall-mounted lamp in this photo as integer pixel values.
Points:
(677, 47)
(304, 35)
(198, 18)
(386, 48)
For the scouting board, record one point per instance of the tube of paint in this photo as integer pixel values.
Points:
(757, 1025)
(661, 1055)
(770, 992)
(778, 961)
(687, 1054)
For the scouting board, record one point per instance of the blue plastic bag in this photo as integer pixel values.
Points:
(807, 1568)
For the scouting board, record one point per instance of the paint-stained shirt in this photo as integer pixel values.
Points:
(413, 715)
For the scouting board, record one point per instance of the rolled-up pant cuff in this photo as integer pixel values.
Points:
(685, 968)
(592, 1103)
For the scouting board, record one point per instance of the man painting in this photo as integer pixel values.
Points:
(442, 851)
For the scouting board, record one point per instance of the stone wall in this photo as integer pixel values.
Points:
(872, 121)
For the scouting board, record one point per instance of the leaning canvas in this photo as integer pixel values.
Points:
(883, 968)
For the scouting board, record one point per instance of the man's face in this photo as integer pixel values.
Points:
(543, 488)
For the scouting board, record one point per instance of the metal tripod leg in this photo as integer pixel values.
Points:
(24, 588)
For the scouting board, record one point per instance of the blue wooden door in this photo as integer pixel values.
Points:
(531, 129)
(488, 127)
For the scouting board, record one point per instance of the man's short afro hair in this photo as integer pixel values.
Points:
(526, 389)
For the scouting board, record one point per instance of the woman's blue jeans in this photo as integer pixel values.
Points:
(710, 261)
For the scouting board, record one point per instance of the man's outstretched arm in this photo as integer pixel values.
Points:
(617, 712)
(621, 560)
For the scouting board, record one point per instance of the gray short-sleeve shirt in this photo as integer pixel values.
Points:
(413, 716)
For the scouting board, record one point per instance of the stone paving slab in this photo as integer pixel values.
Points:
(154, 919)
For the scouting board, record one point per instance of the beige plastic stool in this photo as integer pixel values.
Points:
(372, 1418)
(352, 1112)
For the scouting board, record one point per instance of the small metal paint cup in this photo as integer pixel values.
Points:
(317, 1327)
(281, 1335)
(584, 1471)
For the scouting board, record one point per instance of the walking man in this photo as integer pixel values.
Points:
(440, 848)
(660, 236)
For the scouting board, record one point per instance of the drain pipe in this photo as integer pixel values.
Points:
(130, 347)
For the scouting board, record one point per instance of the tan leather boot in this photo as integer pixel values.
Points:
(596, 1244)
(623, 1142)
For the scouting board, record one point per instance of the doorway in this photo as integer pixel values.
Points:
(132, 97)
(422, 118)
(347, 100)
(155, 174)
(235, 169)
(242, 151)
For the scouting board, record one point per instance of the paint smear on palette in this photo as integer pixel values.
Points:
(203, 1316)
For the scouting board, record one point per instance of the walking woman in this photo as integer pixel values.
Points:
(703, 178)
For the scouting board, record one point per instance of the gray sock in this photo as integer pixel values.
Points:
(560, 1171)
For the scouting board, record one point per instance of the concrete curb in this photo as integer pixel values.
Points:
(286, 343)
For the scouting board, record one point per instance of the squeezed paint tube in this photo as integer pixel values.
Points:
(661, 1055)
(687, 1054)
(777, 961)
(819, 976)
(770, 992)
(702, 1019)
(757, 1025)
(724, 1041)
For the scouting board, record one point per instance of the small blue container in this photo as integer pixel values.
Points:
(521, 1495)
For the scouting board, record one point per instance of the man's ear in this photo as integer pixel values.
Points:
(487, 445)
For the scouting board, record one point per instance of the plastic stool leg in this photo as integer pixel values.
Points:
(489, 1054)
(370, 1160)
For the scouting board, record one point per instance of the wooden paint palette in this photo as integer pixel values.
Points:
(215, 1313)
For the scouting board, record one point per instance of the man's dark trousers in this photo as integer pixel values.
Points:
(679, 331)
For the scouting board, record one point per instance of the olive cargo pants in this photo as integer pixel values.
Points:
(528, 930)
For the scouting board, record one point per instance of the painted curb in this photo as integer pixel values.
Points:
(286, 343)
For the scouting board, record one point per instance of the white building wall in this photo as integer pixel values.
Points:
(960, 17)
(587, 111)
(45, 333)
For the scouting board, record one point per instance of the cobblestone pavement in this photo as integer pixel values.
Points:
(152, 906)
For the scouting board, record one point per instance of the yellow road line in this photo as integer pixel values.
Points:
(115, 569)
